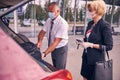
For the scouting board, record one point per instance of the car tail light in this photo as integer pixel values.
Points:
(59, 75)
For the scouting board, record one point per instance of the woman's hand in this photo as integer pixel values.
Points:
(86, 44)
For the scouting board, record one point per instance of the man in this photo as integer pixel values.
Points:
(56, 30)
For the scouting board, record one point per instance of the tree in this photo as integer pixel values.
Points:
(41, 13)
(70, 15)
(67, 14)
(81, 15)
(28, 11)
(65, 5)
(116, 16)
(77, 15)
(35, 11)
(108, 17)
(38, 12)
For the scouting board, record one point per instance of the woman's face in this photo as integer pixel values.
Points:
(92, 13)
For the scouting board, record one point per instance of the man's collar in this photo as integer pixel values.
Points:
(55, 19)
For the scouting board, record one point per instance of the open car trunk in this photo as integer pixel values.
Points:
(20, 39)
(13, 4)
(8, 3)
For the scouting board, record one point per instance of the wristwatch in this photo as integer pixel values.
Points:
(44, 54)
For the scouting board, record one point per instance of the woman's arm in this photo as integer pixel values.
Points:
(107, 37)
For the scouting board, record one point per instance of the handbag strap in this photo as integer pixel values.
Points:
(107, 55)
(105, 52)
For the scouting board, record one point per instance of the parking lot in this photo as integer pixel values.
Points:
(74, 59)
(74, 55)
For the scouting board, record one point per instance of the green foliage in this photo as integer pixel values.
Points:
(70, 15)
(116, 16)
(67, 14)
(38, 12)
(108, 17)
(41, 13)
(34, 11)
(77, 15)
(28, 11)
(81, 15)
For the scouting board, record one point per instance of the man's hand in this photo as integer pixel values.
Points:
(86, 44)
(43, 55)
(39, 44)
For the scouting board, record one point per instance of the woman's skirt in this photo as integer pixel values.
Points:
(87, 71)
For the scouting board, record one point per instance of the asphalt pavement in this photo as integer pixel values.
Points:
(75, 56)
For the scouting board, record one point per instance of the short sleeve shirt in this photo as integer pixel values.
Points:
(59, 30)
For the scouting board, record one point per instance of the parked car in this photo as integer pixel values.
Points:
(26, 23)
(41, 22)
(19, 57)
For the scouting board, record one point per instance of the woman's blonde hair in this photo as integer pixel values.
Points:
(98, 5)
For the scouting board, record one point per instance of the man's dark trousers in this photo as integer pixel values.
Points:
(59, 57)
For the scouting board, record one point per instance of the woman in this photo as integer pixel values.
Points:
(98, 34)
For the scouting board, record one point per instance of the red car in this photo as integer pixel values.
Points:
(15, 62)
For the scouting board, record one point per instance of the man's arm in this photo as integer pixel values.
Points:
(40, 38)
(52, 46)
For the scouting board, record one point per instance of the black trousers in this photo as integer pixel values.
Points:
(59, 57)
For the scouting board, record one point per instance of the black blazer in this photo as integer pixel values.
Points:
(102, 35)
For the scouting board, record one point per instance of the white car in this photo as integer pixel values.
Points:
(26, 23)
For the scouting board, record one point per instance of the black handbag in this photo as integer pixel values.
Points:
(104, 69)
